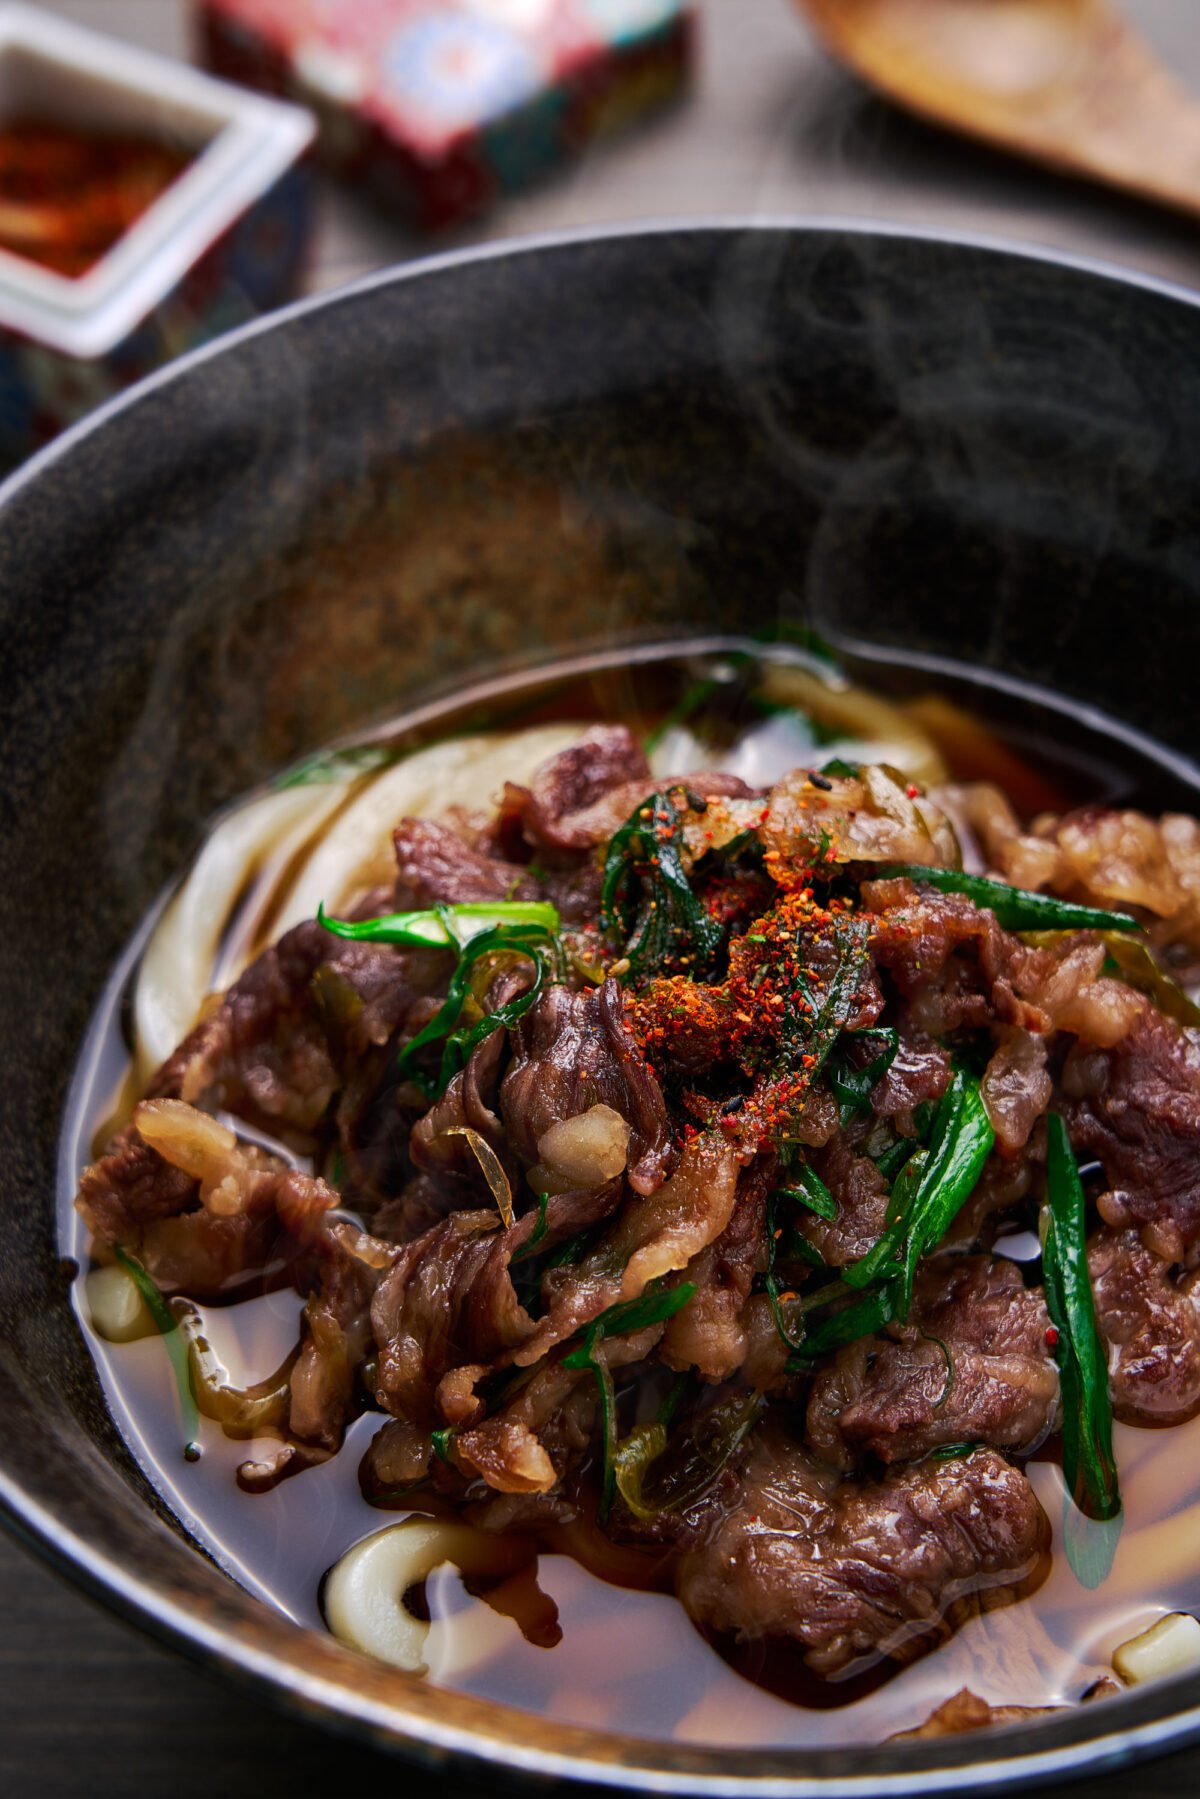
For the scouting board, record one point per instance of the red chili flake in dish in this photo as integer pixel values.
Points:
(1051, 1336)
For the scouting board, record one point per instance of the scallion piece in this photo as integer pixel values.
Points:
(529, 1247)
(176, 1347)
(443, 927)
(861, 1319)
(1016, 908)
(931, 1189)
(531, 940)
(811, 1192)
(627, 1316)
(853, 1086)
(646, 900)
(1088, 1462)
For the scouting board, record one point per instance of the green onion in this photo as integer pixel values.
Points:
(529, 1248)
(444, 927)
(517, 927)
(1016, 908)
(531, 941)
(861, 1319)
(176, 1348)
(880, 1260)
(1136, 964)
(645, 897)
(948, 1452)
(931, 1190)
(812, 1192)
(894, 1157)
(685, 1465)
(853, 1086)
(1088, 1463)
(652, 1307)
(441, 1440)
(339, 765)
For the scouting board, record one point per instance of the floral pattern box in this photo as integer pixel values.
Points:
(442, 106)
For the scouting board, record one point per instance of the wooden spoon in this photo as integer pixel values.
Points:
(1063, 81)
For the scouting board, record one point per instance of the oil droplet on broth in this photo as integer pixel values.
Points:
(628, 1660)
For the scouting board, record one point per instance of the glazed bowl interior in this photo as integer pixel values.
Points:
(950, 456)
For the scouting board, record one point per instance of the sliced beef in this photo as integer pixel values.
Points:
(856, 1570)
(919, 1073)
(336, 1335)
(446, 1302)
(709, 1334)
(447, 1311)
(1124, 859)
(572, 1051)
(581, 797)
(960, 970)
(566, 786)
(972, 1366)
(434, 863)
(1016, 1089)
(1137, 1107)
(965, 1711)
(271, 1050)
(652, 1237)
(1151, 1320)
(130, 1186)
(202, 1212)
(861, 1194)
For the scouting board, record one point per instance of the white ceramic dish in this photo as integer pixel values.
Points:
(51, 69)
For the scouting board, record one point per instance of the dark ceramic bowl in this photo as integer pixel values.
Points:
(952, 453)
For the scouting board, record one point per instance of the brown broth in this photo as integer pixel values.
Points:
(630, 1658)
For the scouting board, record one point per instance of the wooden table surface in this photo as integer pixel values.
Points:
(87, 1706)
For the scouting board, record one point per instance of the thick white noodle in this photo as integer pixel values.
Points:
(364, 1591)
(176, 970)
(355, 854)
(866, 727)
(1170, 1646)
(179, 968)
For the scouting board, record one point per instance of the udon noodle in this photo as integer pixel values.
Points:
(738, 1155)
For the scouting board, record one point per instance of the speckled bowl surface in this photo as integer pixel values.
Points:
(944, 451)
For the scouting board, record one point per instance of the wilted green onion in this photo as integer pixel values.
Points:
(627, 1316)
(443, 927)
(931, 1189)
(1088, 1462)
(176, 1347)
(646, 898)
(861, 1319)
(1016, 908)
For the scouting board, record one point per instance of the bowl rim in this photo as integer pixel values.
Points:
(534, 243)
(270, 1657)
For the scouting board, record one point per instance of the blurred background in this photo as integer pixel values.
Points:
(139, 216)
(143, 212)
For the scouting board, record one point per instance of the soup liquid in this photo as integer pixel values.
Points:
(631, 1659)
